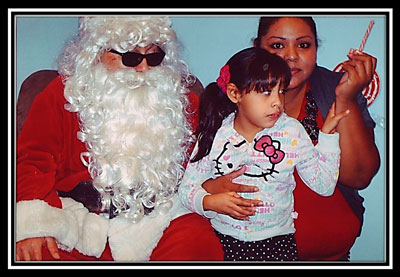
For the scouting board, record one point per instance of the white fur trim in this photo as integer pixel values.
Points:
(135, 242)
(94, 235)
(93, 228)
(74, 227)
(36, 218)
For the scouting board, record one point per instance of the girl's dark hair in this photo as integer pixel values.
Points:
(266, 22)
(250, 69)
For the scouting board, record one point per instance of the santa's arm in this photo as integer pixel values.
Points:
(39, 210)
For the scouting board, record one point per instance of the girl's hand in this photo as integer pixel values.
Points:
(332, 120)
(31, 249)
(360, 70)
(229, 203)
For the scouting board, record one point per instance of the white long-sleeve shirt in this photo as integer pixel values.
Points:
(270, 161)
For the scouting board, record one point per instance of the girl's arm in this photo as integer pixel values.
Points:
(320, 167)
(190, 190)
(359, 152)
(229, 203)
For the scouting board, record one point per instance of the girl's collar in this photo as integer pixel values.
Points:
(232, 134)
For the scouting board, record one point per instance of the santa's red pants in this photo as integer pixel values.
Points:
(188, 238)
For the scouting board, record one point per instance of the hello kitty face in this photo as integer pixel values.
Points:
(270, 149)
(224, 163)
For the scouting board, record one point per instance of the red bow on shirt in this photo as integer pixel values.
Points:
(267, 145)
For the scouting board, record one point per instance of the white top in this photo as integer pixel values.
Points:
(270, 160)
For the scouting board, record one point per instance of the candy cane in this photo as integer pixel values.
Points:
(372, 90)
(364, 40)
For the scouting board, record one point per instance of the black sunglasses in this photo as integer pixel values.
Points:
(133, 59)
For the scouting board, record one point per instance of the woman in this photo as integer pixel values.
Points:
(326, 227)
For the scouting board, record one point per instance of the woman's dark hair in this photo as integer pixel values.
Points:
(266, 22)
(250, 69)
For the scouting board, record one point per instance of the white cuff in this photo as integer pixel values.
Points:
(328, 142)
(72, 226)
(94, 235)
(36, 218)
(198, 204)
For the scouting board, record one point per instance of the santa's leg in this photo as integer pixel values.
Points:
(188, 238)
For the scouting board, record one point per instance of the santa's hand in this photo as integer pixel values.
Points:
(31, 249)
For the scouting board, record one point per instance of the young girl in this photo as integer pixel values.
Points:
(243, 124)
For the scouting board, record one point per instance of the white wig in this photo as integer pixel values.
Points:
(133, 123)
(124, 33)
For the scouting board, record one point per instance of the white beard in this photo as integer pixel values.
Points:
(137, 135)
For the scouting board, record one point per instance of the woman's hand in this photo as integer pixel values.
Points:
(332, 120)
(229, 203)
(225, 184)
(31, 249)
(360, 69)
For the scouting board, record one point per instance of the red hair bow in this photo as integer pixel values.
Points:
(224, 78)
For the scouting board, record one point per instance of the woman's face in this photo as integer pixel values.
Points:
(292, 39)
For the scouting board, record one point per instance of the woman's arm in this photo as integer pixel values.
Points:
(225, 183)
(359, 155)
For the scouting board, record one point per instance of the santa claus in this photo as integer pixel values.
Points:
(113, 132)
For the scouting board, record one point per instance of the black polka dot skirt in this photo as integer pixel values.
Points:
(279, 248)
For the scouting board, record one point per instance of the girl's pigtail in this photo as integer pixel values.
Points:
(215, 106)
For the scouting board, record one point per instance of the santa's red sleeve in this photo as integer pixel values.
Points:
(48, 152)
(48, 160)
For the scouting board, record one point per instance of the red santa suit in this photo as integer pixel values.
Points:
(48, 160)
